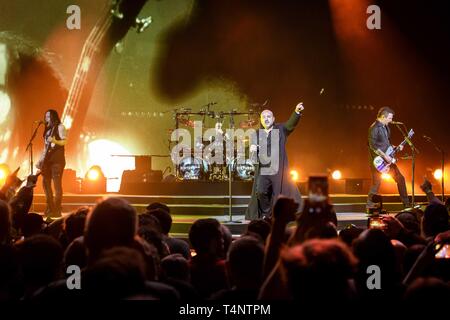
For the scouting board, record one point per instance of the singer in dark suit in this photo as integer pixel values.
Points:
(378, 143)
(271, 182)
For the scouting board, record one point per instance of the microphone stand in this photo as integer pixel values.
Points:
(30, 146)
(414, 151)
(442, 152)
(177, 125)
(230, 178)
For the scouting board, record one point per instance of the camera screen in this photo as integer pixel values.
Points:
(318, 186)
(377, 223)
(444, 252)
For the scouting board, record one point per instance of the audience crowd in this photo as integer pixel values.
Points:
(121, 254)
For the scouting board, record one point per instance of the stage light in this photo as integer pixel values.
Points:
(5, 106)
(294, 175)
(102, 151)
(386, 176)
(4, 172)
(336, 175)
(94, 181)
(437, 174)
(94, 173)
(7, 135)
(67, 121)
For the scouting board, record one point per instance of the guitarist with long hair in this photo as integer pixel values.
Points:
(52, 162)
(379, 143)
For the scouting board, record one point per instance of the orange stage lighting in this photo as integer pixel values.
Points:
(4, 172)
(386, 177)
(437, 174)
(336, 175)
(94, 181)
(294, 175)
(101, 151)
(94, 173)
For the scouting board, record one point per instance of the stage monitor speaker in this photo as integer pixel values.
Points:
(132, 178)
(357, 186)
(70, 182)
(143, 164)
(337, 186)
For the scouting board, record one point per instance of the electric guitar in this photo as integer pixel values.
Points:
(381, 164)
(48, 147)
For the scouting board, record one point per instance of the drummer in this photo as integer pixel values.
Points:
(216, 144)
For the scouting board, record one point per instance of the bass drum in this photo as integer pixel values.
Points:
(244, 169)
(192, 168)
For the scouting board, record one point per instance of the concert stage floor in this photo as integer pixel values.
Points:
(191, 201)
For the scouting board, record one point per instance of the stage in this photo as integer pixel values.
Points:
(189, 201)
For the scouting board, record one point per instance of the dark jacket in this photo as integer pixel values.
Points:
(379, 138)
(286, 186)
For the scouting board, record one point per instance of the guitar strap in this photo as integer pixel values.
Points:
(386, 132)
(48, 144)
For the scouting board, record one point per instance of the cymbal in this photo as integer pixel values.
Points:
(186, 122)
(250, 123)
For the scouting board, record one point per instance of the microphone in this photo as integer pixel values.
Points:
(396, 122)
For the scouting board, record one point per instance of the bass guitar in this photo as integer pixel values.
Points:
(381, 164)
(48, 147)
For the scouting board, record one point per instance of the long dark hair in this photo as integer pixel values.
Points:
(54, 120)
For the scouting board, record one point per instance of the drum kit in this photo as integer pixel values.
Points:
(195, 168)
(203, 168)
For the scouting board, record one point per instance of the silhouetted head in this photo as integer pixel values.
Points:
(32, 224)
(41, 257)
(373, 247)
(259, 227)
(175, 266)
(319, 270)
(410, 221)
(435, 220)
(112, 222)
(118, 273)
(349, 234)
(158, 205)
(427, 293)
(74, 224)
(205, 236)
(245, 262)
(164, 218)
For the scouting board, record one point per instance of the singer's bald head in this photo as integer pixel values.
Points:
(267, 119)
